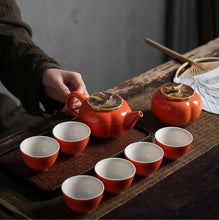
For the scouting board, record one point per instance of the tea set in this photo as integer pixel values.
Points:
(107, 115)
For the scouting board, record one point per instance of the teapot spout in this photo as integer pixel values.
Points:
(131, 119)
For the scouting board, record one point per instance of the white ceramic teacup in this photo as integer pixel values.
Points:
(175, 141)
(146, 157)
(117, 174)
(82, 193)
(72, 136)
(39, 152)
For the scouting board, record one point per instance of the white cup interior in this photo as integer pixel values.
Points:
(71, 131)
(39, 146)
(174, 136)
(115, 169)
(82, 187)
(144, 152)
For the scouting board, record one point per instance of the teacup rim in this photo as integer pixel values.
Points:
(178, 128)
(83, 176)
(39, 136)
(144, 162)
(72, 122)
(116, 158)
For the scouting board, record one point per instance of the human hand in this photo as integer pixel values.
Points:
(58, 83)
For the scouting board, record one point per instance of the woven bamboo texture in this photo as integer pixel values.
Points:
(206, 135)
(66, 165)
(205, 132)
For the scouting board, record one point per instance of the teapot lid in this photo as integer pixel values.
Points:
(104, 101)
(177, 91)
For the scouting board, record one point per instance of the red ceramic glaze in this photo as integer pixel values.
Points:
(82, 206)
(82, 193)
(39, 152)
(174, 141)
(72, 136)
(146, 156)
(72, 148)
(116, 186)
(174, 153)
(104, 123)
(145, 169)
(39, 164)
(116, 174)
(176, 111)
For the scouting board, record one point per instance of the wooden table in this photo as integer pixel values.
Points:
(190, 192)
(137, 91)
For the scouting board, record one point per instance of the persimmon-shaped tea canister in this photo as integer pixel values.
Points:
(176, 104)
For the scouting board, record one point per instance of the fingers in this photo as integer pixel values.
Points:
(63, 90)
(59, 83)
(77, 83)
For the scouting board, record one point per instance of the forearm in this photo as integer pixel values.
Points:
(23, 63)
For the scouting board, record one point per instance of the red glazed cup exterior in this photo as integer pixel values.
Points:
(39, 152)
(72, 136)
(147, 157)
(116, 186)
(82, 193)
(175, 141)
(174, 153)
(116, 174)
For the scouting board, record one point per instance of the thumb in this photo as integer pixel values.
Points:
(63, 90)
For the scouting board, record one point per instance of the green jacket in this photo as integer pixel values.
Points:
(22, 63)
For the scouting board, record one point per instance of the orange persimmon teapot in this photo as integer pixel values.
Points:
(107, 114)
(176, 104)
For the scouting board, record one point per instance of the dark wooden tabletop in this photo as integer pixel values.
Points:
(188, 192)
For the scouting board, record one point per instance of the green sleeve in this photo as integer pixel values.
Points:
(22, 63)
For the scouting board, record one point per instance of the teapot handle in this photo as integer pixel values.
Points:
(72, 95)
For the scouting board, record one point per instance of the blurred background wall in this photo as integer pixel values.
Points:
(104, 39)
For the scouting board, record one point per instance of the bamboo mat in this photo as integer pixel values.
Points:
(205, 132)
(67, 166)
(179, 195)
